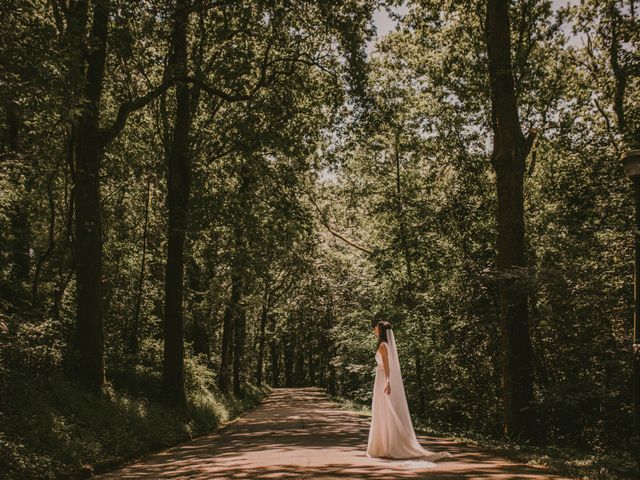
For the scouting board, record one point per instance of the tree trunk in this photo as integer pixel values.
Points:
(510, 150)
(401, 220)
(240, 331)
(228, 328)
(275, 354)
(64, 275)
(233, 326)
(288, 353)
(134, 341)
(178, 189)
(51, 245)
(261, 341)
(333, 379)
(331, 350)
(198, 333)
(88, 222)
(311, 366)
(10, 135)
(200, 336)
(299, 370)
(619, 73)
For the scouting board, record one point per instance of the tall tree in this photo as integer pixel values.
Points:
(87, 77)
(88, 222)
(178, 189)
(510, 150)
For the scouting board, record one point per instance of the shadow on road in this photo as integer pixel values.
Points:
(299, 433)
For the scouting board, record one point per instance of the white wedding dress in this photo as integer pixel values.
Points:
(391, 434)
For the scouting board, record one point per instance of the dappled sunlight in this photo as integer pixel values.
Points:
(298, 432)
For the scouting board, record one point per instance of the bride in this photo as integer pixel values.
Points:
(391, 434)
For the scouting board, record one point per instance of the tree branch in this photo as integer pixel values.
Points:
(608, 126)
(324, 221)
(107, 135)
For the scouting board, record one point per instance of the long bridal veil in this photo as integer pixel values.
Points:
(397, 398)
(392, 433)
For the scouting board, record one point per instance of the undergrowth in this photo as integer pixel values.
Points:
(565, 461)
(50, 427)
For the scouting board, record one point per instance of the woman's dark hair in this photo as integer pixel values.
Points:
(383, 326)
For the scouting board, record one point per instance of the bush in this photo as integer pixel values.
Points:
(50, 427)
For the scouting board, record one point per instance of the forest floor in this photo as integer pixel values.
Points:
(301, 433)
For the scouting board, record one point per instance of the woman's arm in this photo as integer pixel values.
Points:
(385, 363)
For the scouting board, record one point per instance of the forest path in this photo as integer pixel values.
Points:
(300, 433)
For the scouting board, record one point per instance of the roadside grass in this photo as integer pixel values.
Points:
(50, 427)
(564, 461)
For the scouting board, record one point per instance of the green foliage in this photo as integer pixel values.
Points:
(414, 184)
(267, 81)
(327, 185)
(53, 428)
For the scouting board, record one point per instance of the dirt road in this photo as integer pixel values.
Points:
(298, 433)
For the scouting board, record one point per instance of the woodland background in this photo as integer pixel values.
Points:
(201, 199)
